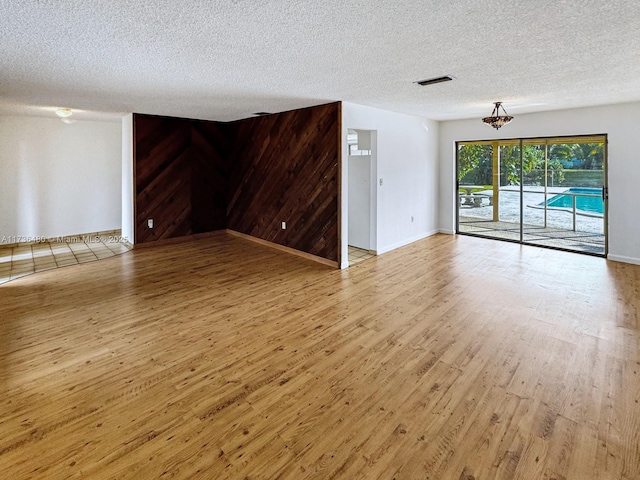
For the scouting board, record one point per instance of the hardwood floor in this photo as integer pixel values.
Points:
(452, 358)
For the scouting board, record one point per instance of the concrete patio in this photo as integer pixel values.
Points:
(558, 232)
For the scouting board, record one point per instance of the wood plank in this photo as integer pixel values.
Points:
(195, 176)
(181, 172)
(285, 168)
(217, 357)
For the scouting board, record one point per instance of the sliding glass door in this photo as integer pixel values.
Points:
(548, 192)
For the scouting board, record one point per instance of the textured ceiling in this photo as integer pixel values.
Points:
(225, 59)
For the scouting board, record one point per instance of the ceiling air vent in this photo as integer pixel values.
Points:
(432, 81)
(261, 114)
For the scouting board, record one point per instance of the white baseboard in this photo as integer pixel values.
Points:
(407, 241)
(446, 231)
(622, 259)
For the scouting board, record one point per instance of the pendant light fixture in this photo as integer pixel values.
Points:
(496, 120)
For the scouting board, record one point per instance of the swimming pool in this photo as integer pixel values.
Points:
(586, 204)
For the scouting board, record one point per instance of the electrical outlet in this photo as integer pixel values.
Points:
(380, 182)
(284, 225)
(150, 222)
(411, 218)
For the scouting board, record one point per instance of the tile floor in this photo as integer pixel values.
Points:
(22, 259)
(357, 255)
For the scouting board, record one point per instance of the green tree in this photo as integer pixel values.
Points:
(532, 166)
(475, 164)
(590, 155)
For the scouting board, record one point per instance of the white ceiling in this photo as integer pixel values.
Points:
(226, 59)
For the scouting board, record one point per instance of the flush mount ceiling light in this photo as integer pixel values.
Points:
(496, 120)
(433, 81)
(64, 112)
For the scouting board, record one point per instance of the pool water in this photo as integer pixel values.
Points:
(586, 204)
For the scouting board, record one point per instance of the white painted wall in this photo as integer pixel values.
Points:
(58, 179)
(360, 201)
(127, 213)
(407, 162)
(364, 139)
(621, 122)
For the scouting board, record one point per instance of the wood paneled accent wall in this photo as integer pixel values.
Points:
(210, 143)
(181, 169)
(250, 175)
(285, 167)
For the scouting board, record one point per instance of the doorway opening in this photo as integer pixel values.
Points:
(550, 192)
(362, 172)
